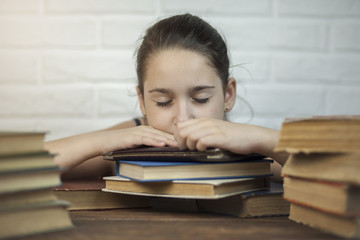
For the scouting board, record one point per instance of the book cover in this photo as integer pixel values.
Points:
(164, 171)
(173, 154)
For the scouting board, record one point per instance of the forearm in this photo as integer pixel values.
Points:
(73, 151)
(266, 144)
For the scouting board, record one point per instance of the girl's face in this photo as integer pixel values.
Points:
(179, 85)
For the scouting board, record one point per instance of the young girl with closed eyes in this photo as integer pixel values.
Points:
(185, 91)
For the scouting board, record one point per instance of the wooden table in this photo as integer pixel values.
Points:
(150, 224)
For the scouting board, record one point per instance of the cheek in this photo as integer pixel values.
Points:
(160, 120)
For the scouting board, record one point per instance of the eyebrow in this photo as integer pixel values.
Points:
(192, 90)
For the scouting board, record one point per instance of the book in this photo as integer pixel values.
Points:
(14, 181)
(193, 189)
(320, 134)
(20, 198)
(161, 171)
(333, 197)
(26, 161)
(21, 142)
(174, 154)
(342, 167)
(35, 218)
(268, 202)
(87, 195)
(340, 225)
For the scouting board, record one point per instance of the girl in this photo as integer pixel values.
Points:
(184, 91)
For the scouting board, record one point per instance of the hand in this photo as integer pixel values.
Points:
(238, 138)
(135, 136)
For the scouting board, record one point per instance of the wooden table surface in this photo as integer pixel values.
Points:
(152, 224)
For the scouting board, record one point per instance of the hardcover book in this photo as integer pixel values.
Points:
(340, 225)
(165, 171)
(260, 203)
(193, 189)
(173, 154)
(333, 197)
(320, 134)
(21, 142)
(35, 218)
(87, 195)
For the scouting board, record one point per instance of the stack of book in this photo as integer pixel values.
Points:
(27, 176)
(322, 174)
(211, 175)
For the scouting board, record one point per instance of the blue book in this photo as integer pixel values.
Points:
(168, 171)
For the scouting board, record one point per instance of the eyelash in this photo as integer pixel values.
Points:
(197, 100)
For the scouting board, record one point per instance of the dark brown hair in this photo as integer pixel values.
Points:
(185, 32)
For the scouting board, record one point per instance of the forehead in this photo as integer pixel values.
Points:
(178, 67)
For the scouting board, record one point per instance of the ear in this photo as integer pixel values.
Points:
(141, 100)
(230, 94)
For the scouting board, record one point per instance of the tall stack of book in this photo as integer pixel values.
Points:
(200, 176)
(27, 175)
(322, 174)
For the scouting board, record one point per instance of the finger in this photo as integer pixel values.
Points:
(153, 136)
(196, 136)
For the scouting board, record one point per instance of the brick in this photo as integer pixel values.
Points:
(346, 37)
(118, 101)
(46, 102)
(274, 35)
(20, 6)
(65, 127)
(99, 6)
(89, 67)
(17, 124)
(18, 68)
(319, 8)
(245, 7)
(47, 32)
(342, 100)
(318, 69)
(284, 100)
(249, 68)
(124, 31)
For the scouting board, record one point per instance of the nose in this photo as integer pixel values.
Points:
(182, 112)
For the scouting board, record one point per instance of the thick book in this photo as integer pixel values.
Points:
(21, 142)
(174, 154)
(193, 189)
(23, 161)
(34, 218)
(87, 195)
(24, 180)
(261, 203)
(343, 167)
(320, 134)
(340, 225)
(164, 171)
(11, 200)
(333, 197)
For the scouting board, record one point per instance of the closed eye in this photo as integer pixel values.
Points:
(163, 104)
(201, 100)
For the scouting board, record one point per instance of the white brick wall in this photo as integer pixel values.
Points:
(67, 66)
